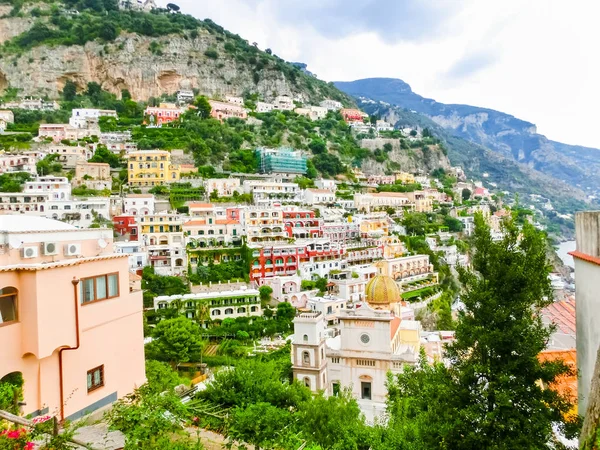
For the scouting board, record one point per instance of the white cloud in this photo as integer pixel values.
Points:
(536, 60)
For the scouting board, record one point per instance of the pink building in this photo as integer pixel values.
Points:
(223, 110)
(69, 322)
(164, 113)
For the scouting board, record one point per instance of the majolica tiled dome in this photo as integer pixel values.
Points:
(382, 291)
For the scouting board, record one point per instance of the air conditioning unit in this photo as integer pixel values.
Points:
(72, 249)
(29, 252)
(50, 248)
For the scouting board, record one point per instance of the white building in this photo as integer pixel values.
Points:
(316, 196)
(262, 107)
(331, 105)
(468, 224)
(221, 304)
(235, 100)
(341, 232)
(350, 284)
(138, 257)
(86, 117)
(266, 192)
(19, 162)
(329, 306)
(372, 341)
(67, 155)
(185, 96)
(284, 103)
(225, 187)
(139, 205)
(289, 289)
(329, 185)
(382, 125)
(587, 274)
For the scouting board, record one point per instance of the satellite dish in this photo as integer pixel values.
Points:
(14, 242)
(102, 243)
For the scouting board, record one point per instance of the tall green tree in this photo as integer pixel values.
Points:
(175, 340)
(203, 106)
(494, 393)
(69, 92)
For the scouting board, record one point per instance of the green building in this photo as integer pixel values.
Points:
(214, 305)
(281, 160)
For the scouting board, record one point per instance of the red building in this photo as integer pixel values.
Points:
(126, 226)
(352, 115)
(302, 224)
(282, 260)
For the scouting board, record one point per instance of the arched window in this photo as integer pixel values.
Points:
(229, 311)
(253, 309)
(255, 263)
(241, 310)
(307, 382)
(305, 358)
(290, 260)
(215, 312)
(8, 305)
(269, 261)
(305, 338)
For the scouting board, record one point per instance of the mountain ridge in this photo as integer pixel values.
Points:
(148, 54)
(501, 132)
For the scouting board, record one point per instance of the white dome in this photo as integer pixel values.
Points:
(16, 223)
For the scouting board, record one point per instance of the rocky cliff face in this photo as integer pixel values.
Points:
(129, 63)
(12, 26)
(504, 134)
(410, 160)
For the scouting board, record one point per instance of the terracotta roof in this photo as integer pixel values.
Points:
(565, 385)
(194, 223)
(200, 205)
(197, 222)
(563, 315)
(134, 277)
(585, 257)
(394, 325)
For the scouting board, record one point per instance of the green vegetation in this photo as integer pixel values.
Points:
(156, 285)
(492, 395)
(13, 182)
(175, 340)
(421, 293)
(278, 413)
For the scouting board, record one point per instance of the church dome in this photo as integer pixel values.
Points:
(382, 291)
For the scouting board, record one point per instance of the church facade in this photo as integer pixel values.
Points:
(371, 341)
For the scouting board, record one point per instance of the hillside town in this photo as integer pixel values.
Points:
(241, 269)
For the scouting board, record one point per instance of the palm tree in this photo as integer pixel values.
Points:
(202, 312)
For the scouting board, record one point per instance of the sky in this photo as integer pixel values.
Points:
(535, 59)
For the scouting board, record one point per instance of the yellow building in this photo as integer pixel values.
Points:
(404, 178)
(374, 227)
(151, 168)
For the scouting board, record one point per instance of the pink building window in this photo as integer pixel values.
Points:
(99, 288)
(95, 378)
(8, 305)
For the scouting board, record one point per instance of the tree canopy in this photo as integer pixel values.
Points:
(494, 393)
